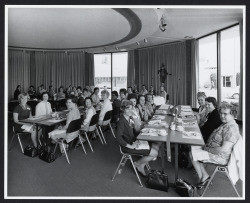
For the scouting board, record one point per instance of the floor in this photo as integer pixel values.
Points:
(90, 175)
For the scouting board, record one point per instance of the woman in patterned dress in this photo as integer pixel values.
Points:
(219, 145)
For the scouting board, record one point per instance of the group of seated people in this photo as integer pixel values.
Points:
(62, 92)
(131, 111)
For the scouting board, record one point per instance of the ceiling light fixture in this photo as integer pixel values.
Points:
(145, 41)
(137, 43)
(116, 48)
(104, 49)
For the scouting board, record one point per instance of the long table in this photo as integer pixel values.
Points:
(174, 136)
(48, 120)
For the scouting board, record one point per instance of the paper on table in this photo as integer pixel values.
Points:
(199, 154)
(152, 122)
(191, 135)
(150, 134)
(54, 120)
(161, 111)
(164, 106)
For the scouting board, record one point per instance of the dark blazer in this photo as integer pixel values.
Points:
(124, 134)
(211, 124)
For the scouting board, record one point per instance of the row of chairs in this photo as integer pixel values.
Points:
(74, 126)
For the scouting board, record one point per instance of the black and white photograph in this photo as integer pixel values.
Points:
(124, 102)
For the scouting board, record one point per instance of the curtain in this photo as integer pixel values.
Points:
(239, 114)
(18, 71)
(131, 69)
(194, 71)
(174, 58)
(60, 69)
(89, 70)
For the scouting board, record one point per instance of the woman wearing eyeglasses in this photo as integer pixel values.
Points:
(126, 137)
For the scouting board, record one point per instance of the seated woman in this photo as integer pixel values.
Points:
(164, 94)
(51, 92)
(213, 118)
(32, 92)
(202, 111)
(126, 138)
(60, 95)
(43, 107)
(219, 145)
(95, 97)
(150, 104)
(17, 92)
(23, 111)
(107, 106)
(116, 106)
(74, 91)
(90, 112)
(133, 99)
(142, 109)
(73, 114)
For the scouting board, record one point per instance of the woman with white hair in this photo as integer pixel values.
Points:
(106, 106)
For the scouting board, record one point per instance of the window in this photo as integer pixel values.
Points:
(111, 71)
(208, 65)
(228, 70)
(119, 77)
(230, 66)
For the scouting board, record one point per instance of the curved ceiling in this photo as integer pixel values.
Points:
(93, 29)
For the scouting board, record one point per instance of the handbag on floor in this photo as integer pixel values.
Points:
(30, 151)
(185, 189)
(157, 180)
(47, 155)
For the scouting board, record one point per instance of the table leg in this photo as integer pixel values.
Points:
(176, 161)
(37, 140)
(162, 157)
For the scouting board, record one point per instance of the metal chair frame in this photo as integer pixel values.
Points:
(223, 169)
(125, 157)
(74, 126)
(18, 137)
(106, 122)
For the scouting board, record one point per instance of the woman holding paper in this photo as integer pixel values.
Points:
(126, 136)
(219, 145)
(23, 111)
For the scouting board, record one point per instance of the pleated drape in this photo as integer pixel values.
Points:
(131, 69)
(18, 71)
(194, 71)
(89, 70)
(60, 68)
(174, 58)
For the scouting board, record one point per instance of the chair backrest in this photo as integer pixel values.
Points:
(108, 115)
(94, 120)
(74, 125)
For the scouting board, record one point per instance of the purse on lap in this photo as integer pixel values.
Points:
(30, 151)
(157, 180)
(185, 189)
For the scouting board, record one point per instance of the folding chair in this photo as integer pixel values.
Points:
(106, 122)
(92, 128)
(18, 137)
(125, 157)
(219, 168)
(74, 126)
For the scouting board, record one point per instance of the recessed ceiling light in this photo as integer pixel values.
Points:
(137, 43)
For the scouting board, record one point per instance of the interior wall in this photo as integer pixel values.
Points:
(176, 58)
(35, 68)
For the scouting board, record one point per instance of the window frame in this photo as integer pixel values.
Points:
(111, 62)
(218, 40)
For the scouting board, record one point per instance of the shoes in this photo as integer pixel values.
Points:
(138, 170)
(200, 185)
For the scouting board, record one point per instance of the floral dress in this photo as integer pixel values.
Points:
(226, 132)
